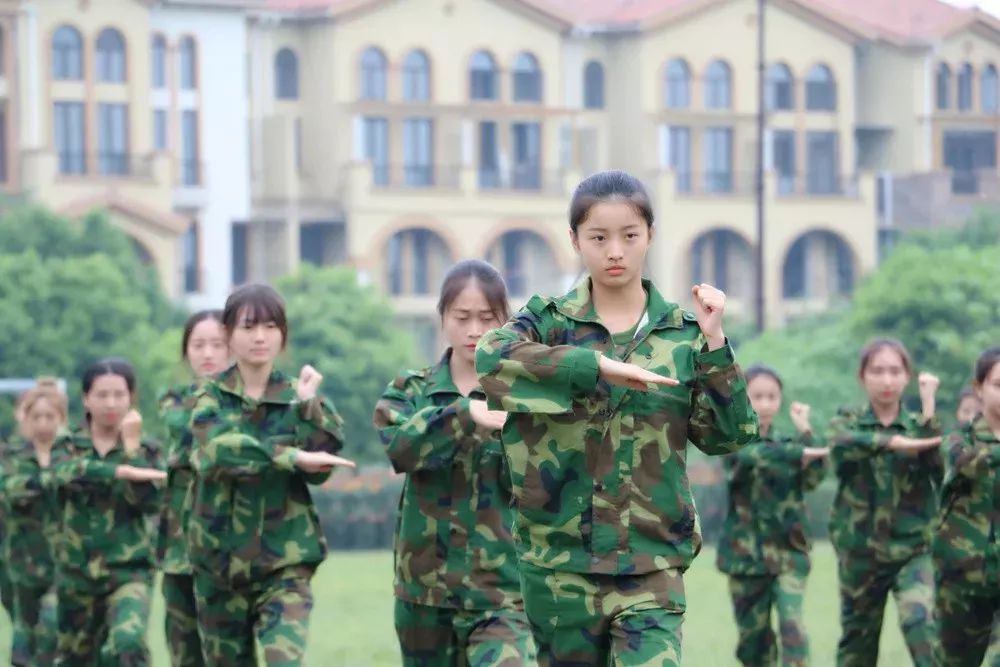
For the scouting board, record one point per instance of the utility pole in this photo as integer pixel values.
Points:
(760, 309)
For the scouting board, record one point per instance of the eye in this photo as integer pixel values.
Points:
(631, 235)
(598, 238)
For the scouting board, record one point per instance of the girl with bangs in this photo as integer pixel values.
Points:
(254, 537)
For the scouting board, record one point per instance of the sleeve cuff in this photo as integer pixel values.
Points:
(583, 369)
(284, 457)
(706, 362)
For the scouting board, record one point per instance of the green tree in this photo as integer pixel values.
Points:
(61, 313)
(346, 332)
(52, 236)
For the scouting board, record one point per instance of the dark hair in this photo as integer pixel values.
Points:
(260, 304)
(110, 366)
(984, 364)
(194, 321)
(760, 370)
(489, 280)
(879, 344)
(967, 392)
(609, 186)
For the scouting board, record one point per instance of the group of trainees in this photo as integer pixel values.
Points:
(222, 507)
(546, 516)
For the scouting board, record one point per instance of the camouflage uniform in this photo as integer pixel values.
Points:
(606, 524)
(6, 588)
(966, 548)
(254, 537)
(457, 588)
(29, 499)
(880, 527)
(104, 553)
(181, 617)
(764, 546)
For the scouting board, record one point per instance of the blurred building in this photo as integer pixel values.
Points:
(399, 136)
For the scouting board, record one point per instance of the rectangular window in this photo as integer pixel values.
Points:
(718, 159)
(376, 148)
(240, 253)
(680, 156)
(112, 139)
(527, 148)
(70, 137)
(160, 129)
(190, 166)
(783, 156)
(489, 155)
(190, 255)
(418, 152)
(821, 153)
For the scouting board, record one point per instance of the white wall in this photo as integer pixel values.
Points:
(222, 86)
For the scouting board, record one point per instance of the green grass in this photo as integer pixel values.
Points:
(352, 621)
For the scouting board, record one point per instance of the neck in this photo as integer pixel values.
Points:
(463, 374)
(993, 419)
(886, 412)
(42, 446)
(103, 435)
(628, 298)
(255, 376)
(765, 428)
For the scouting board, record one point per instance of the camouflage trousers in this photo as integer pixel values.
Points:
(34, 624)
(970, 626)
(864, 586)
(181, 621)
(594, 619)
(274, 611)
(6, 591)
(440, 637)
(103, 622)
(753, 599)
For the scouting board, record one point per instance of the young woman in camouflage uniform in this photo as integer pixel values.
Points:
(764, 546)
(204, 351)
(967, 541)
(254, 538)
(105, 472)
(889, 471)
(458, 598)
(29, 498)
(604, 388)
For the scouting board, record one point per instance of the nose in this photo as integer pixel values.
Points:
(615, 251)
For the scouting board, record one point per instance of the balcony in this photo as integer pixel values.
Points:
(105, 165)
(190, 191)
(415, 176)
(934, 199)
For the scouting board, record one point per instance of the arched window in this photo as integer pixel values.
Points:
(67, 54)
(821, 89)
(593, 85)
(678, 86)
(188, 55)
(965, 88)
(416, 77)
(483, 77)
(780, 88)
(110, 56)
(527, 79)
(286, 75)
(718, 86)
(373, 74)
(988, 90)
(158, 61)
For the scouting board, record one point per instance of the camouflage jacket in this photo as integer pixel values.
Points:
(886, 501)
(105, 522)
(29, 499)
(171, 548)
(252, 513)
(765, 529)
(453, 542)
(599, 471)
(967, 541)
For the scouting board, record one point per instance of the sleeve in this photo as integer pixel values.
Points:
(145, 495)
(518, 373)
(849, 444)
(320, 427)
(221, 450)
(422, 438)
(722, 420)
(814, 471)
(19, 488)
(969, 459)
(76, 471)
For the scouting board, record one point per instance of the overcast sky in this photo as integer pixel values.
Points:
(989, 5)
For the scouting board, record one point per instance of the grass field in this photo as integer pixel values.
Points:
(352, 621)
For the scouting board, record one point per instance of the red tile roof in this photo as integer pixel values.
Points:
(895, 20)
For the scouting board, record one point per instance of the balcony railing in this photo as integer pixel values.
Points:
(110, 164)
(815, 185)
(521, 178)
(415, 176)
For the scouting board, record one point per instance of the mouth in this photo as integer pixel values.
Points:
(615, 270)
